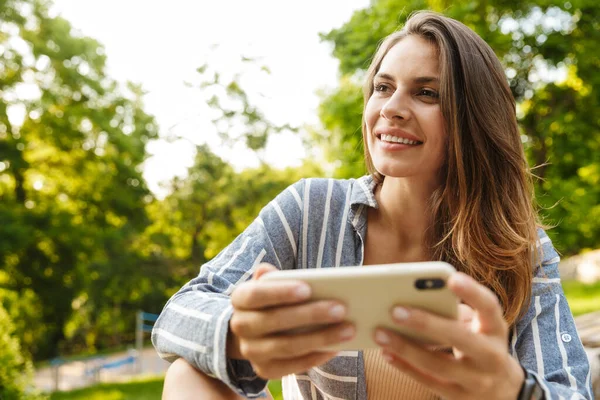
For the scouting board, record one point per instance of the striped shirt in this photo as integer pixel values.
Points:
(321, 223)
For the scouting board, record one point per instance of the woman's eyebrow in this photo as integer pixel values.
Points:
(427, 79)
(418, 80)
(383, 75)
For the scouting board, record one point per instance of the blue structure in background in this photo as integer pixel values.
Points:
(141, 327)
(144, 323)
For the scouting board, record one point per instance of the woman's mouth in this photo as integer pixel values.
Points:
(395, 139)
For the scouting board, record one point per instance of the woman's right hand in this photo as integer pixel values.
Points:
(266, 326)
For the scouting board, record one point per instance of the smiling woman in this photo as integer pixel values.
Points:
(448, 181)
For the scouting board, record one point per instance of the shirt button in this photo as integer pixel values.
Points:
(566, 337)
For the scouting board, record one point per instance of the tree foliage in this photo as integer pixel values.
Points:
(210, 207)
(236, 115)
(15, 369)
(84, 244)
(71, 147)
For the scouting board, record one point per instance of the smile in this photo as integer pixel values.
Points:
(396, 139)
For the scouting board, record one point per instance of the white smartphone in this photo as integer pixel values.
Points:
(371, 291)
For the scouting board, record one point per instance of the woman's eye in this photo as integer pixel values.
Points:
(429, 93)
(381, 87)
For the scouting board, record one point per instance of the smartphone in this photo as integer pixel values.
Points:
(370, 292)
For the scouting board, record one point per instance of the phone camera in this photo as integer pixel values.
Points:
(429, 283)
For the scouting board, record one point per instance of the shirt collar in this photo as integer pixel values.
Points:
(363, 192)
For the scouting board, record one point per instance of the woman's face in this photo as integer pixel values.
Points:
(404, 124)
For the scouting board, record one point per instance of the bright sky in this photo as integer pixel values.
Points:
(161, 43)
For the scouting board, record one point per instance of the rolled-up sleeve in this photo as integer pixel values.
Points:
(195, 321)
(545, 340)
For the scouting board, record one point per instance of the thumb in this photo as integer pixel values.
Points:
(262, 269)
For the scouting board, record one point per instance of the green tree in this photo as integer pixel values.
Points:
(549, 52)
(23, 309)
(208, 208)
(15, 369)
(236, 115)
(72, 197)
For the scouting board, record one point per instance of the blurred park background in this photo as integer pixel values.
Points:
(96, 225)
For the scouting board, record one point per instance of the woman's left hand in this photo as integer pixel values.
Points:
(480, 368)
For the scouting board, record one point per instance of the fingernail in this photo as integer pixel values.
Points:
(302, 292)
(337, 312)
(387, 357)
(400, 313)
(347, 333)
(382, 338)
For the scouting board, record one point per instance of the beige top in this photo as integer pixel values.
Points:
(384, 382)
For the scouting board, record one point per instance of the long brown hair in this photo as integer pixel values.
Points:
(484, 219)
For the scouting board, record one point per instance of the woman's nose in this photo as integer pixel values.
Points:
(396, 107)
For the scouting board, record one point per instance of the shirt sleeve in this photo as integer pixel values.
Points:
(545, 340)
(195, 321)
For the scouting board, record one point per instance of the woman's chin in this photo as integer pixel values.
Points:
(408, 174)
(393, 171)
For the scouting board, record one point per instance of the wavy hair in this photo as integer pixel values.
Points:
(484, 218)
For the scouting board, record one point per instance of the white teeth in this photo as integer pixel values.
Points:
(395, 139)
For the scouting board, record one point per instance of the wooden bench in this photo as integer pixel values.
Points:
(588, 326)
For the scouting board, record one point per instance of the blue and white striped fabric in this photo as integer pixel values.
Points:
(321, 223)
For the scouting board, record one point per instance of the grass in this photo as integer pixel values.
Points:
(583, 298)
(150, 389)
(275, 389)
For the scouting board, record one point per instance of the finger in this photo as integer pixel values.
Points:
(440, 365)
(255, 294)
(465, 314)
(262, 269)
(289, 346)
(482, 300)
(445, 389)
(254, 324)
(278, 368)
(441, 331)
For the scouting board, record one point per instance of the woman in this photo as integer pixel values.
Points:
(448, 181)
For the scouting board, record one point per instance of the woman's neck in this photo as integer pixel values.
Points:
(404, 210)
